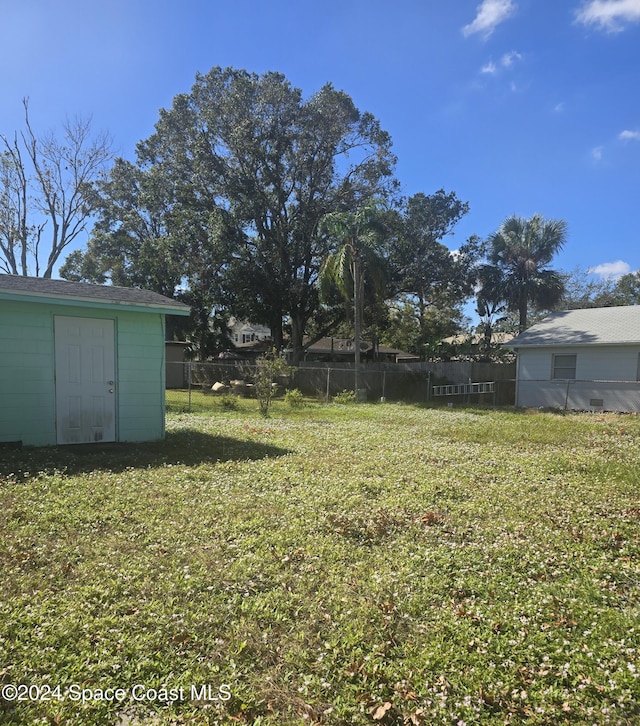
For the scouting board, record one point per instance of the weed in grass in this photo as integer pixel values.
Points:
(345, 397)
(294, 398)
(229, 402)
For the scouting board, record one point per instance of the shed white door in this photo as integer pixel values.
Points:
(85, 380)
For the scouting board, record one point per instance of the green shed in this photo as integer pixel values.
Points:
(81, 363)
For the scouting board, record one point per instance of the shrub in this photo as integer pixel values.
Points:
(269, 367)
(229, 402)
(294, 398)
(345, 397)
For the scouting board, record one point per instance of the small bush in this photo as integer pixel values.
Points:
(345, 397)
(294, 398)
(229, 402)
(270, 367)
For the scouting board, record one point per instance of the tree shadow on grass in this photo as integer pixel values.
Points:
(187, 447)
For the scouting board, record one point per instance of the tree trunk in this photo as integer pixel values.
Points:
(297, 335)
(357, 317)
(276, 333)
(522, 309)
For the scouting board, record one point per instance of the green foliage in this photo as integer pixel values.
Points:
(356, 256)
(517, 274)
(627, 289)
(234, 194)
(491, 313)
(420, 334)
(345, 398)
(324, 155)
(228, 192)
(423, 265)
(430, 283)
(144, 238)
(584, 290)
(419, 566)
(357, 250)
(294, 398)
(133, 243)
(269, 369)
(229, 401)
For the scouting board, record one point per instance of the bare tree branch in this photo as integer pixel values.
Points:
(47, 188)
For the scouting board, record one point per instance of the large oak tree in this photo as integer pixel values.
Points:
(273, 163)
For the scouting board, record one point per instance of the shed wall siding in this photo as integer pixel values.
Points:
(141, 374)
(27, 410)
(27, 378)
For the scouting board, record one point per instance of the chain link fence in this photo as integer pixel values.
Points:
(191, 381)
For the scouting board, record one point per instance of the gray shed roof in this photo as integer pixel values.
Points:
(46, 290)
(591, 326)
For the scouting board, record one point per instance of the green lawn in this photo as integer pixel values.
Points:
(329, 565)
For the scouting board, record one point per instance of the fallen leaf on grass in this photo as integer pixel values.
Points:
(430, 518)
(379, 712)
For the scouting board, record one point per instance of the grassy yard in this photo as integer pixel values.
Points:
(329, 565)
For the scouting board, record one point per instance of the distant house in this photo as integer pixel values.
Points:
(81, 363)
(581, 359)
(335, 350)
(472, 344)
(243, 332)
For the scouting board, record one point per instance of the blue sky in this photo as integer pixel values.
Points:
(519, 106)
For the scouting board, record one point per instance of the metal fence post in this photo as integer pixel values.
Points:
(189, 388)
(328, 378)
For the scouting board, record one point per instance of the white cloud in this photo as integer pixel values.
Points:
(610, 270)
(559, 107)
(508, 59)
(596, 153)
(610, 15)
(629, 135)
(490, 14)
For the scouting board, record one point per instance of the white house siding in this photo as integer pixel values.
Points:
(605, 378)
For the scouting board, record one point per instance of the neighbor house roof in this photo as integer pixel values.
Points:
(497, 338)
(345, 346)
(591, 326)
(338, 346)
(38, 289)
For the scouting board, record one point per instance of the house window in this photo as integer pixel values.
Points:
(564, 367)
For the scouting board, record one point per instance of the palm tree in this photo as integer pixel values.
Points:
(519, 253)
(356, 257)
